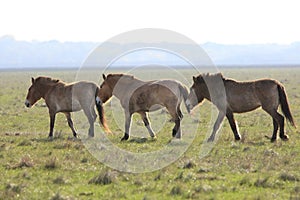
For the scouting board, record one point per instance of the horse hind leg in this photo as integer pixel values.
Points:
(281, 124)
(147, 124)
(274, 136)
(91, 119)
(70, 123)
(278, 119)
(94, 114)
(52, 121)
(176, 116)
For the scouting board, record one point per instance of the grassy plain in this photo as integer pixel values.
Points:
(32, 167)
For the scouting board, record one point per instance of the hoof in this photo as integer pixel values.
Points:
(284, 137)
(273, 140)
(237, 138)
(126, 137)
(211, 139)
(154, 137)
(50, 138)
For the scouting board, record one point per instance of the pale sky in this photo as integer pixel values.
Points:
(223, 21)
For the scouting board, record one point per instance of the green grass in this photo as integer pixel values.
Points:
(33, 167)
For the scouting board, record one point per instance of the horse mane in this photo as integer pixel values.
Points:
(210, 77)
(213, 76)
(121, 75)
(47, 80)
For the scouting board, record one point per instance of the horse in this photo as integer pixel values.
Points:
(239, 97)
(66, 98)
(137, 96)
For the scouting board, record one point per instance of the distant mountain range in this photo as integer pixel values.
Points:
(35, 54)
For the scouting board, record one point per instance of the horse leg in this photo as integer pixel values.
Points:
(274, 136)
(176, 130)
(70, 123)
(281, 124)
(147, 124)
(176, 116)
(177, 123)
(279, 119)
(52, 121)
(127, 126)
(233, 125)
(89, 115)
(219, 120)
(94, 114)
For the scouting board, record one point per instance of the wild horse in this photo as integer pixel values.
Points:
(231, 96)
(137, 96)
(66, 98)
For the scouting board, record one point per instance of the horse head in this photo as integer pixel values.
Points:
(38, 89)
(33, 94)
(106, 90)
(196, 95)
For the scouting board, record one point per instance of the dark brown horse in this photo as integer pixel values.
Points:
(231, 96)
(66, 98)
(141, 97)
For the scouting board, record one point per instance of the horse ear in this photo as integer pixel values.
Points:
(103, 76)
(32, 80)
(194, 79)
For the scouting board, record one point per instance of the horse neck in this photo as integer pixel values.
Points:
(206, 94)
(44, 89)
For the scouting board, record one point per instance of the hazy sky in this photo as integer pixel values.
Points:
(224, 21)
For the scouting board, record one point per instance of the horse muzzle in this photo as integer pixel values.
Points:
(189, 106)
(98, 101)
(27, 104)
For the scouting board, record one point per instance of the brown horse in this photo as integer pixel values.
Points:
(238, 97)
(66, 98)
(141, 97)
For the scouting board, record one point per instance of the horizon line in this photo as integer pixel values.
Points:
(12, 37)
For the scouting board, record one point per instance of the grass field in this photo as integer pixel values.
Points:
(33, 167)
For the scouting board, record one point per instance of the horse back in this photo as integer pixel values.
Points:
(247, 96)
(71, 97)
(164, 93)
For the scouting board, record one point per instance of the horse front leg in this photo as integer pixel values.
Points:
(233, 125)
(217, 124)
(127, 125)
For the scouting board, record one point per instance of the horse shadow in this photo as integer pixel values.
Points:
(141, 140)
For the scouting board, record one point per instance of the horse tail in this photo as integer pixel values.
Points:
(184, 93)
(285, 104)
(100, 110)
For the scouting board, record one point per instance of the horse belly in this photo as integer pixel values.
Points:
(243, 100)
(244, 103)
(67, 106)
